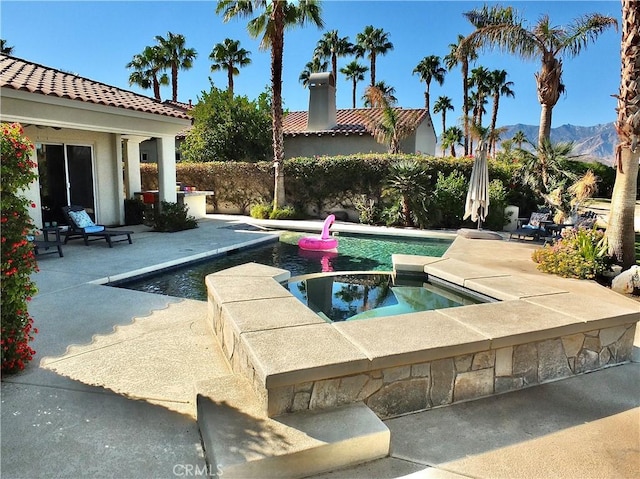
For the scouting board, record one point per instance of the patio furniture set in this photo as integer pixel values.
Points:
(79, 225)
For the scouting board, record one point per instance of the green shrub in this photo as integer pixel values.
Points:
(261, 211)
(580, 253)
(496, 219)
(286, 213)
(18, 259)
(447, 204)
(173, 217)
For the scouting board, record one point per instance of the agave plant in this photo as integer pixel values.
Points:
(408, 180)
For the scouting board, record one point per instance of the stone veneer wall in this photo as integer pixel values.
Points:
(414, 387)
(398, 390)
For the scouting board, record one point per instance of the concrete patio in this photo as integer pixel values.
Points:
(111, 392)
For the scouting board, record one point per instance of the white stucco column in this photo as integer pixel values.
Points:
(167, 168)
(132, 178)
(117, 147)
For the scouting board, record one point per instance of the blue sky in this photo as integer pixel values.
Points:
(97, 40)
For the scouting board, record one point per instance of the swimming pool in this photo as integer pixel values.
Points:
(355, 253)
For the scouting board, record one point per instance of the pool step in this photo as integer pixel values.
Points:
(240, 441)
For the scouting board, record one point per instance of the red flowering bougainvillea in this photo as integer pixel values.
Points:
(18, 260)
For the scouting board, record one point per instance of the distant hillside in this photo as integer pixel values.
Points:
(594, 143)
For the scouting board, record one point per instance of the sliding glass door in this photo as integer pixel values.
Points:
(66, 178)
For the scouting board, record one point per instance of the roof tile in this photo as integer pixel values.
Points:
(349, 121)
(19, 74)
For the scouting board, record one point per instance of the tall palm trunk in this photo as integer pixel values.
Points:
(334, 68)
(174, 81)
(156, 87)
(494, 119)
(465, 103)
(620, 231)
(230, 80)
(277, 48)
(444, 122)
(353, 99)
(548, 86)
(373, 69)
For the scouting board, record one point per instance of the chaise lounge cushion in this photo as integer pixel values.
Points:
(81, 219)
(536, 219)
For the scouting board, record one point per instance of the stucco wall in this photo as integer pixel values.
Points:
(423, 141)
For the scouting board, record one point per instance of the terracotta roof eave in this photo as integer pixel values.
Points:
(174, 113)
(22, 75)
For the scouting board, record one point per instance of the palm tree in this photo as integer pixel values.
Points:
(451, 138)
(545, 170)
(4, 48)
(147, 70)
(620, 231)
(498, 86)
(385, 122)
(502, 28)
(314, 66)
(176, 57)
(376, 42)
(519, 137)
(228, 56)
(480, 78)
(442, 104)
(332, 46)
(494, 135)
(354, 72)
(274, 16)
(462, 53)
(429, 69)
(371, 95)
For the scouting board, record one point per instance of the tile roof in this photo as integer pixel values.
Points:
(349, 121)
(19, 74)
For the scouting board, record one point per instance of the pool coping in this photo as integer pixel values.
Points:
(283, 353)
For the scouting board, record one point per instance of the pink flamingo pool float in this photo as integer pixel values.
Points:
(323, 242)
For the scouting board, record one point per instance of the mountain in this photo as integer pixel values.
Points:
(592, 143)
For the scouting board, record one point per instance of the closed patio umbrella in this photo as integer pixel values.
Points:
(477, 204)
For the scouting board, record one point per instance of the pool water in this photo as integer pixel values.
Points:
(355, 253)
(354, 296)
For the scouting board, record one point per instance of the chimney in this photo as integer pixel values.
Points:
(322, 102)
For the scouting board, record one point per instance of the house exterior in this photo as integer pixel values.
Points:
(325, 130)
(87, 136)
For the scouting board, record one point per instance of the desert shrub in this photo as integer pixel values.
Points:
(368, 209)
(18, 259)
(261, 211)
(286, 213)
(579, 253)
(173, 217)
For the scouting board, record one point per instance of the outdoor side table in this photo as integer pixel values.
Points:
(51, 239)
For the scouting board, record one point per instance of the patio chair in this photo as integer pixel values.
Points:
(534, 228)
(81, 225)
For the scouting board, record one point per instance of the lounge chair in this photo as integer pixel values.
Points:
(534, 228)
(81, 225)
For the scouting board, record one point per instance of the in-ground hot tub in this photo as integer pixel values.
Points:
(356, 295)
(296, 360)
